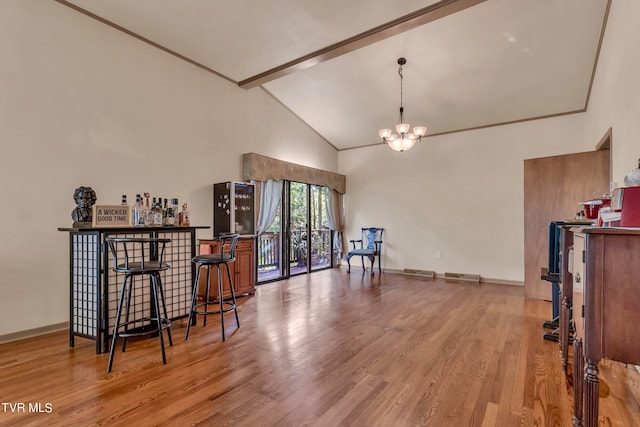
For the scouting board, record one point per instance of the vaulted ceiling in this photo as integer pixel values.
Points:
(333, 63)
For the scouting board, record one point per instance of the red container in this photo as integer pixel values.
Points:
(631, 207)
(592, 207)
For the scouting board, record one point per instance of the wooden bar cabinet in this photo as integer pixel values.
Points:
(243, 269)
(606, 309)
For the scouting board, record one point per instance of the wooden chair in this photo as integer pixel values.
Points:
(369, 245)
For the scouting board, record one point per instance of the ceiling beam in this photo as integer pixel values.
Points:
(404, 23)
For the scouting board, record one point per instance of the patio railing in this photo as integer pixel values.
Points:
(269, 249)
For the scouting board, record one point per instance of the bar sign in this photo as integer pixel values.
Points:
(111, 216)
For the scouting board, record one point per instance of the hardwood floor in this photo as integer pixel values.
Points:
(327, 349)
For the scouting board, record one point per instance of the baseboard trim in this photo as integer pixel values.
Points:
(501, 281)
(368, 270)
(439, 275)
(30, 333)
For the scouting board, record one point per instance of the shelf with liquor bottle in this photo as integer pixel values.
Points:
(234, 208)
(157, 213)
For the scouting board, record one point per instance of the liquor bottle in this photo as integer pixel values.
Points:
(159, 209)
(124, 200)
(176, 211)
(147, 214)
(137, 213)
(184, 216)
(157, 214)
(164, 213)
(170, 219)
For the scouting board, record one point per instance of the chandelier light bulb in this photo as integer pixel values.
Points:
(403, 127)
(384, 133)
(420, 131)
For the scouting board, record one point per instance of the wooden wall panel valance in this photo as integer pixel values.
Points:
(262, 168)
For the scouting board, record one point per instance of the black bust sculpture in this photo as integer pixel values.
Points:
(85, 198)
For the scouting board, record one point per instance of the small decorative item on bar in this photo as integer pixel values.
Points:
(85, 198)
(111, 216)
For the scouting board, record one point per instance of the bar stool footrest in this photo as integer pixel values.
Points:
(227, 306)
(165, 324)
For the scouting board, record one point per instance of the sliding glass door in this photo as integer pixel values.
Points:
(320, 241)
(298, 228)
(309, 233)
(305, 245)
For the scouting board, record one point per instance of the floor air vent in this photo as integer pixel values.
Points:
(421, 273)
(462, 276)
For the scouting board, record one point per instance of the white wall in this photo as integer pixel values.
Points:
(83, 104)
(456, 191)
(460, 194)
(615, 98)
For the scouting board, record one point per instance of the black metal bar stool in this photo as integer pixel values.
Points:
(138, 256)
(226, 254)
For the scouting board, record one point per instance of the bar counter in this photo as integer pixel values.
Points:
(94, 286)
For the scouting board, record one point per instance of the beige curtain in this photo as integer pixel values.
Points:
(256, 167)
(269, 196)
(335, 210)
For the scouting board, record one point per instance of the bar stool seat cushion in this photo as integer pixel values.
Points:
(212, 258)
(139, 267)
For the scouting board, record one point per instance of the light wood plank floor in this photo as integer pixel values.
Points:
(327, 349)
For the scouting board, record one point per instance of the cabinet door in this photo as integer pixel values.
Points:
(579, 284)
(244, 279)
(213, 281)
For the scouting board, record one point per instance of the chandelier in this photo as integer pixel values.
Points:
(403, 140)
